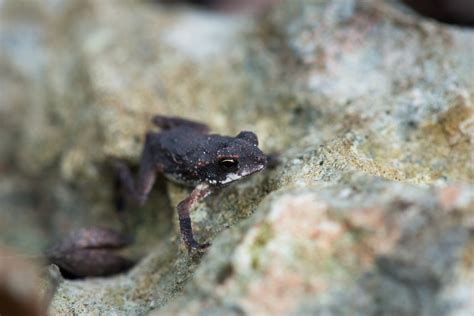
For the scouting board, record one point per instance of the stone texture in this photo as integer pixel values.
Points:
(20, 286)
(392, 251)
(370, 212)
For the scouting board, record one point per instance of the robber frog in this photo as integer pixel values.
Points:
(185, 153)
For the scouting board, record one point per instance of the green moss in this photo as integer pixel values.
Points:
(265, 234)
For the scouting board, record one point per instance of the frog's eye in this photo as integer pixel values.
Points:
(228, 163)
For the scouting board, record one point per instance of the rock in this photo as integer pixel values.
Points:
(370, 211)
(378, 248)
(21, 291)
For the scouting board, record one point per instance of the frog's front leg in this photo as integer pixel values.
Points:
(184, 207)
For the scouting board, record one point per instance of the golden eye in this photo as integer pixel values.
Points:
(228, 163)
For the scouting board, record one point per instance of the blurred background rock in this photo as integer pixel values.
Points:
(456, 12)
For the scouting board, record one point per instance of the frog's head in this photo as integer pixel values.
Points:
(238, 157)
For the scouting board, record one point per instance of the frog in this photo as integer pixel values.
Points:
(185, 152)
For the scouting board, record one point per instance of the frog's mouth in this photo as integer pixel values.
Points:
(258, 168)
(231, 177)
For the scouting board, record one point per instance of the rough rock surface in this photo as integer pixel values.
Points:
(371, 211)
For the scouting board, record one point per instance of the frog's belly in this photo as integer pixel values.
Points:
(179, 179)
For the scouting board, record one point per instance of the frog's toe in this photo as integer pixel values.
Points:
(195, 246)
(205, 245)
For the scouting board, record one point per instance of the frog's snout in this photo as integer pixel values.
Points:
(262, 162)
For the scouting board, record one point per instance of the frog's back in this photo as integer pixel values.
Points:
(182, 141)
(180, 151)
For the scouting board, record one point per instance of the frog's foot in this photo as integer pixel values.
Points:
(204, 245)
(195, 246)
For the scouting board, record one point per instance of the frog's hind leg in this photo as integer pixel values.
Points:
(120, 196)
(138, 190)
(169, 122)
